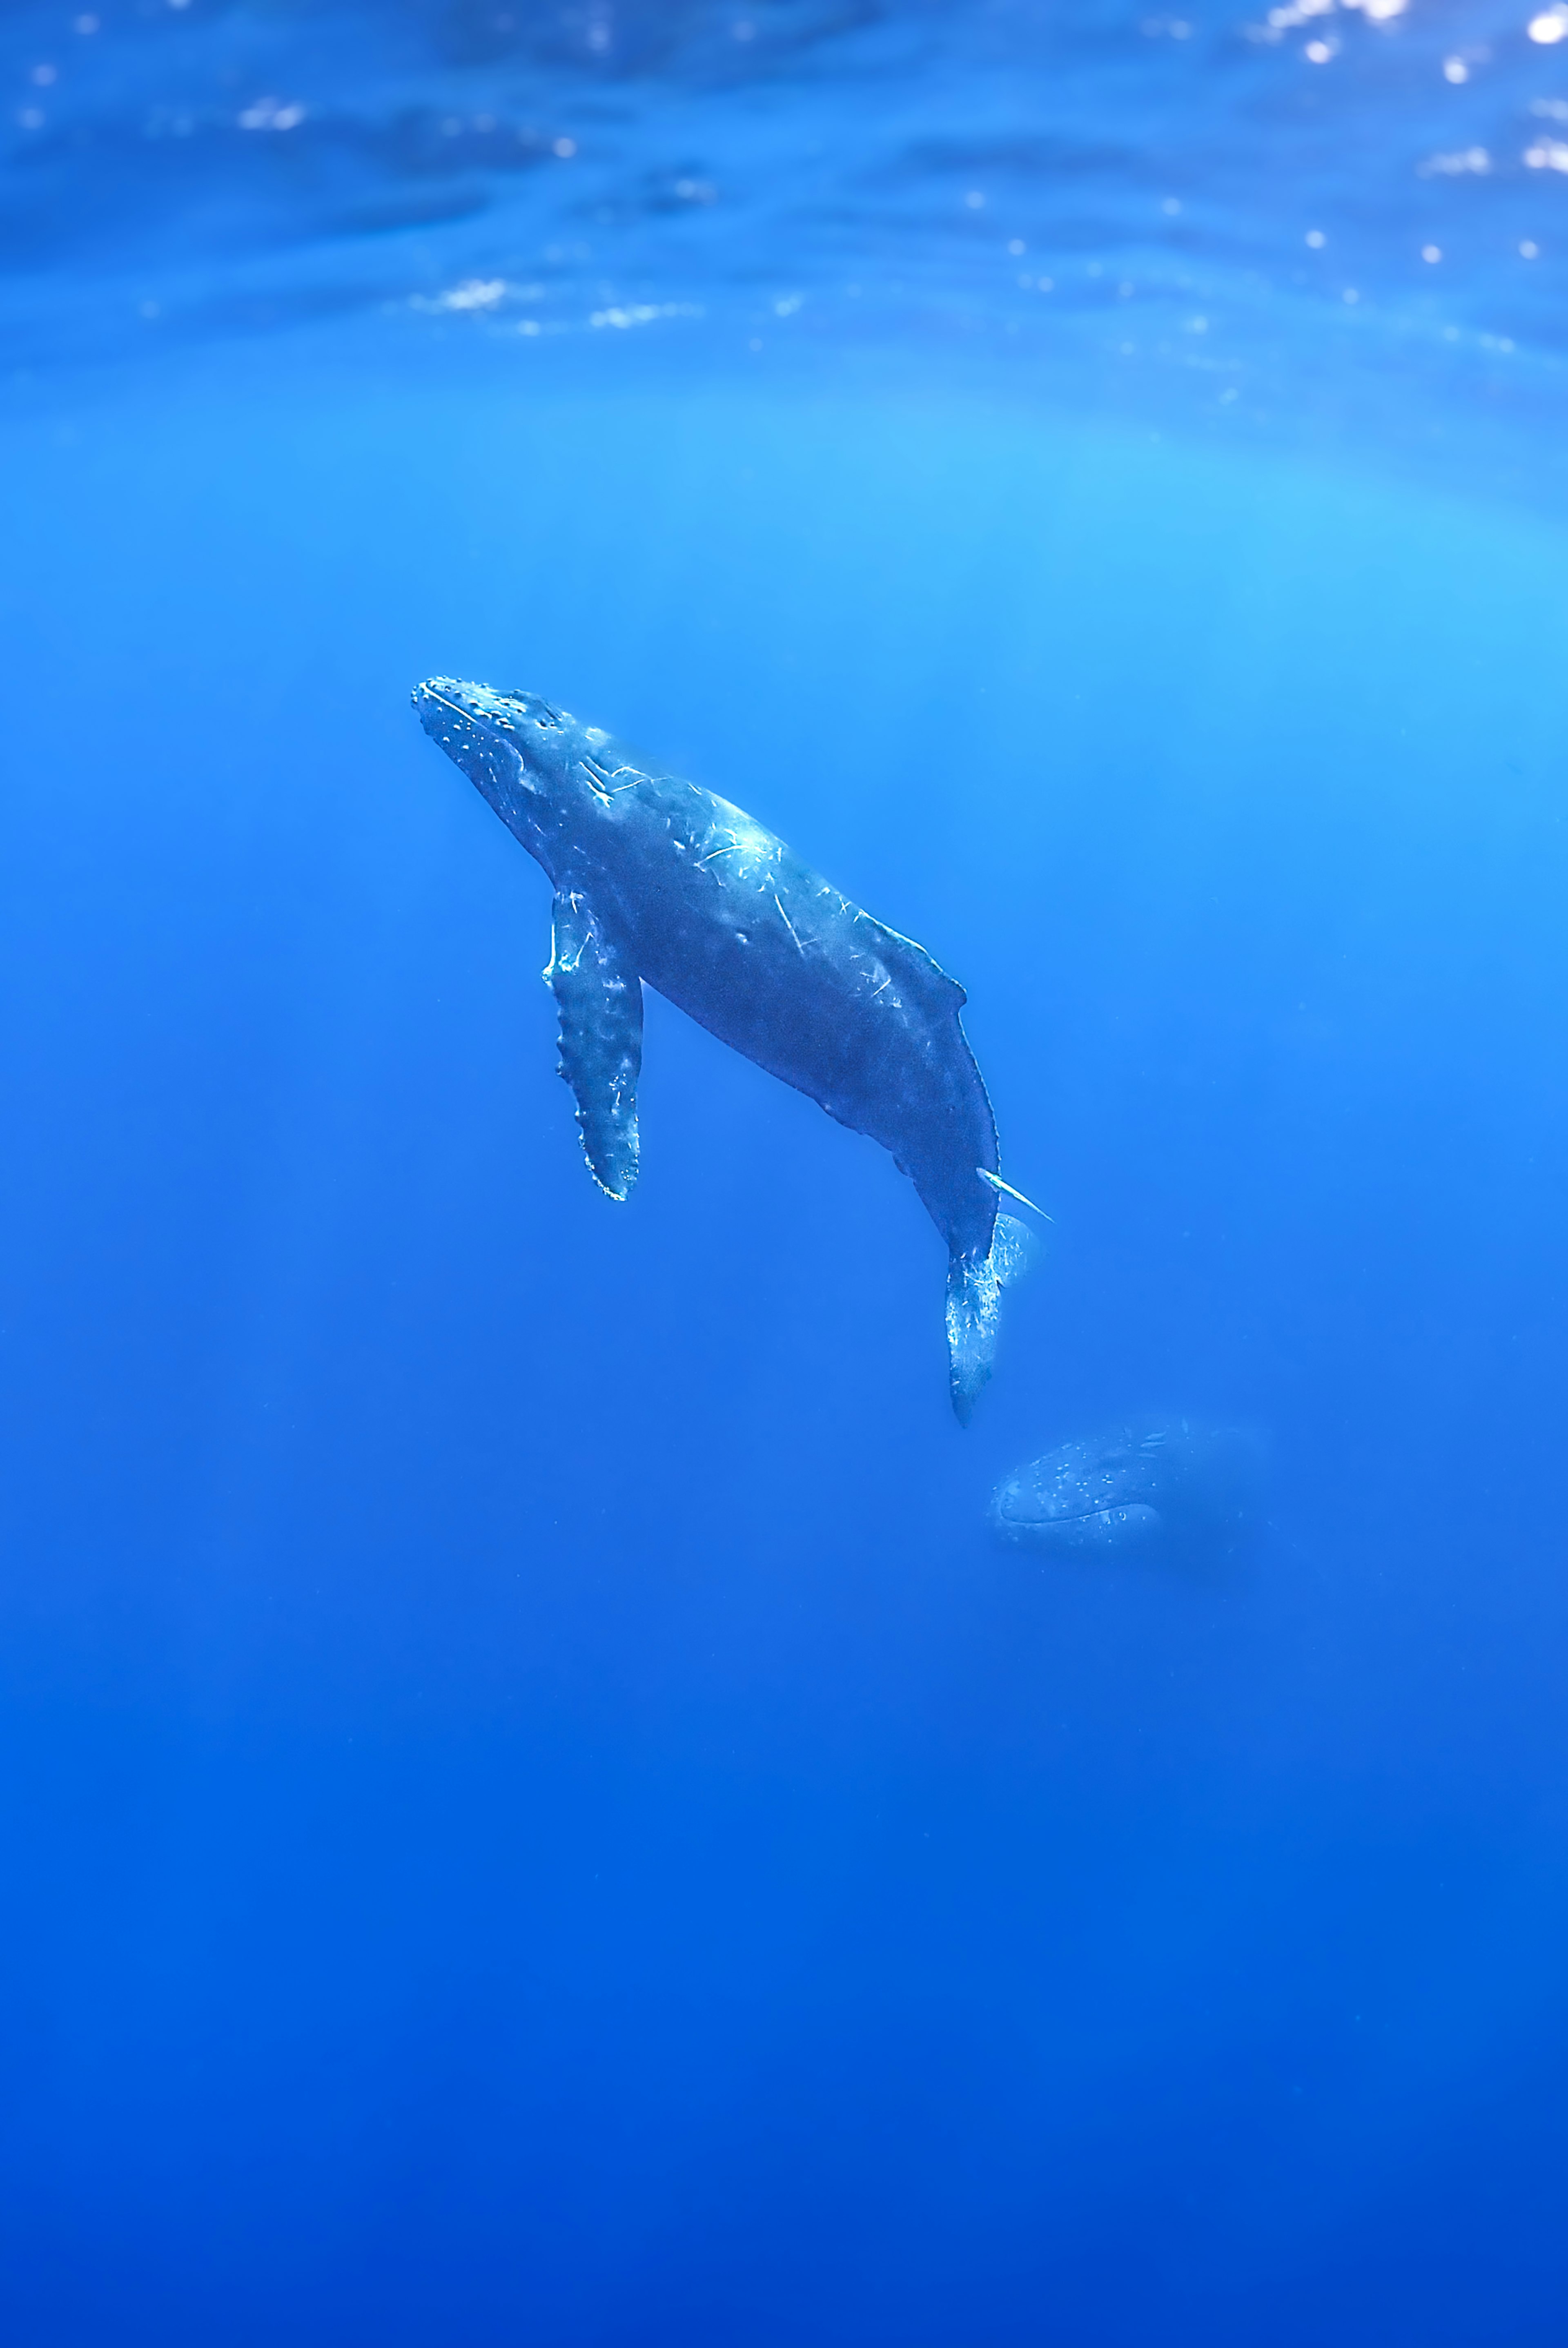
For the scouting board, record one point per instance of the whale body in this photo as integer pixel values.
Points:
(656, 880)
(1158, 1487)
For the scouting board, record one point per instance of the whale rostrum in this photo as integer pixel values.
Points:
(657, 881)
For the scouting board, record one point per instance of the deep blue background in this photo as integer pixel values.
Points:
(530, 1808)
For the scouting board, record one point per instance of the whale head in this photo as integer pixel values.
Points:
(514, 747)
(1160, 1486)
(1088, 1496)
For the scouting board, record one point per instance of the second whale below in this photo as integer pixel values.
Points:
(1158, 1487)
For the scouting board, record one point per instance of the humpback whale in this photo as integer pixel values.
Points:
(656, 880)
(1159, 1487)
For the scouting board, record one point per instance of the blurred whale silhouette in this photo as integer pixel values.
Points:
(1159, 1487)
(657, 879)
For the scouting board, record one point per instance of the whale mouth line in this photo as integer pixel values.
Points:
(1075, 1516)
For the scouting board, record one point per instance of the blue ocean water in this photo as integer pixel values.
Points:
(532, 1808)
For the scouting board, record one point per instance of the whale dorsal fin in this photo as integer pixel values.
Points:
(917, 972)
(599, 997)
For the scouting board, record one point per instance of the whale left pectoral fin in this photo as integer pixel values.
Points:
(599, 994)
(975, 1286)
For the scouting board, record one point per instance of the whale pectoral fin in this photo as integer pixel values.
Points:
(599, 997)
(975, 1286)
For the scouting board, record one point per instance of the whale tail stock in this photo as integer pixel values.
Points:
(975, 1286)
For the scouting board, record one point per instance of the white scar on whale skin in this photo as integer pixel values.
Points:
(788, 924)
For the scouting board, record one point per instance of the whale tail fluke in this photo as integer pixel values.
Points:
(975, 1286)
